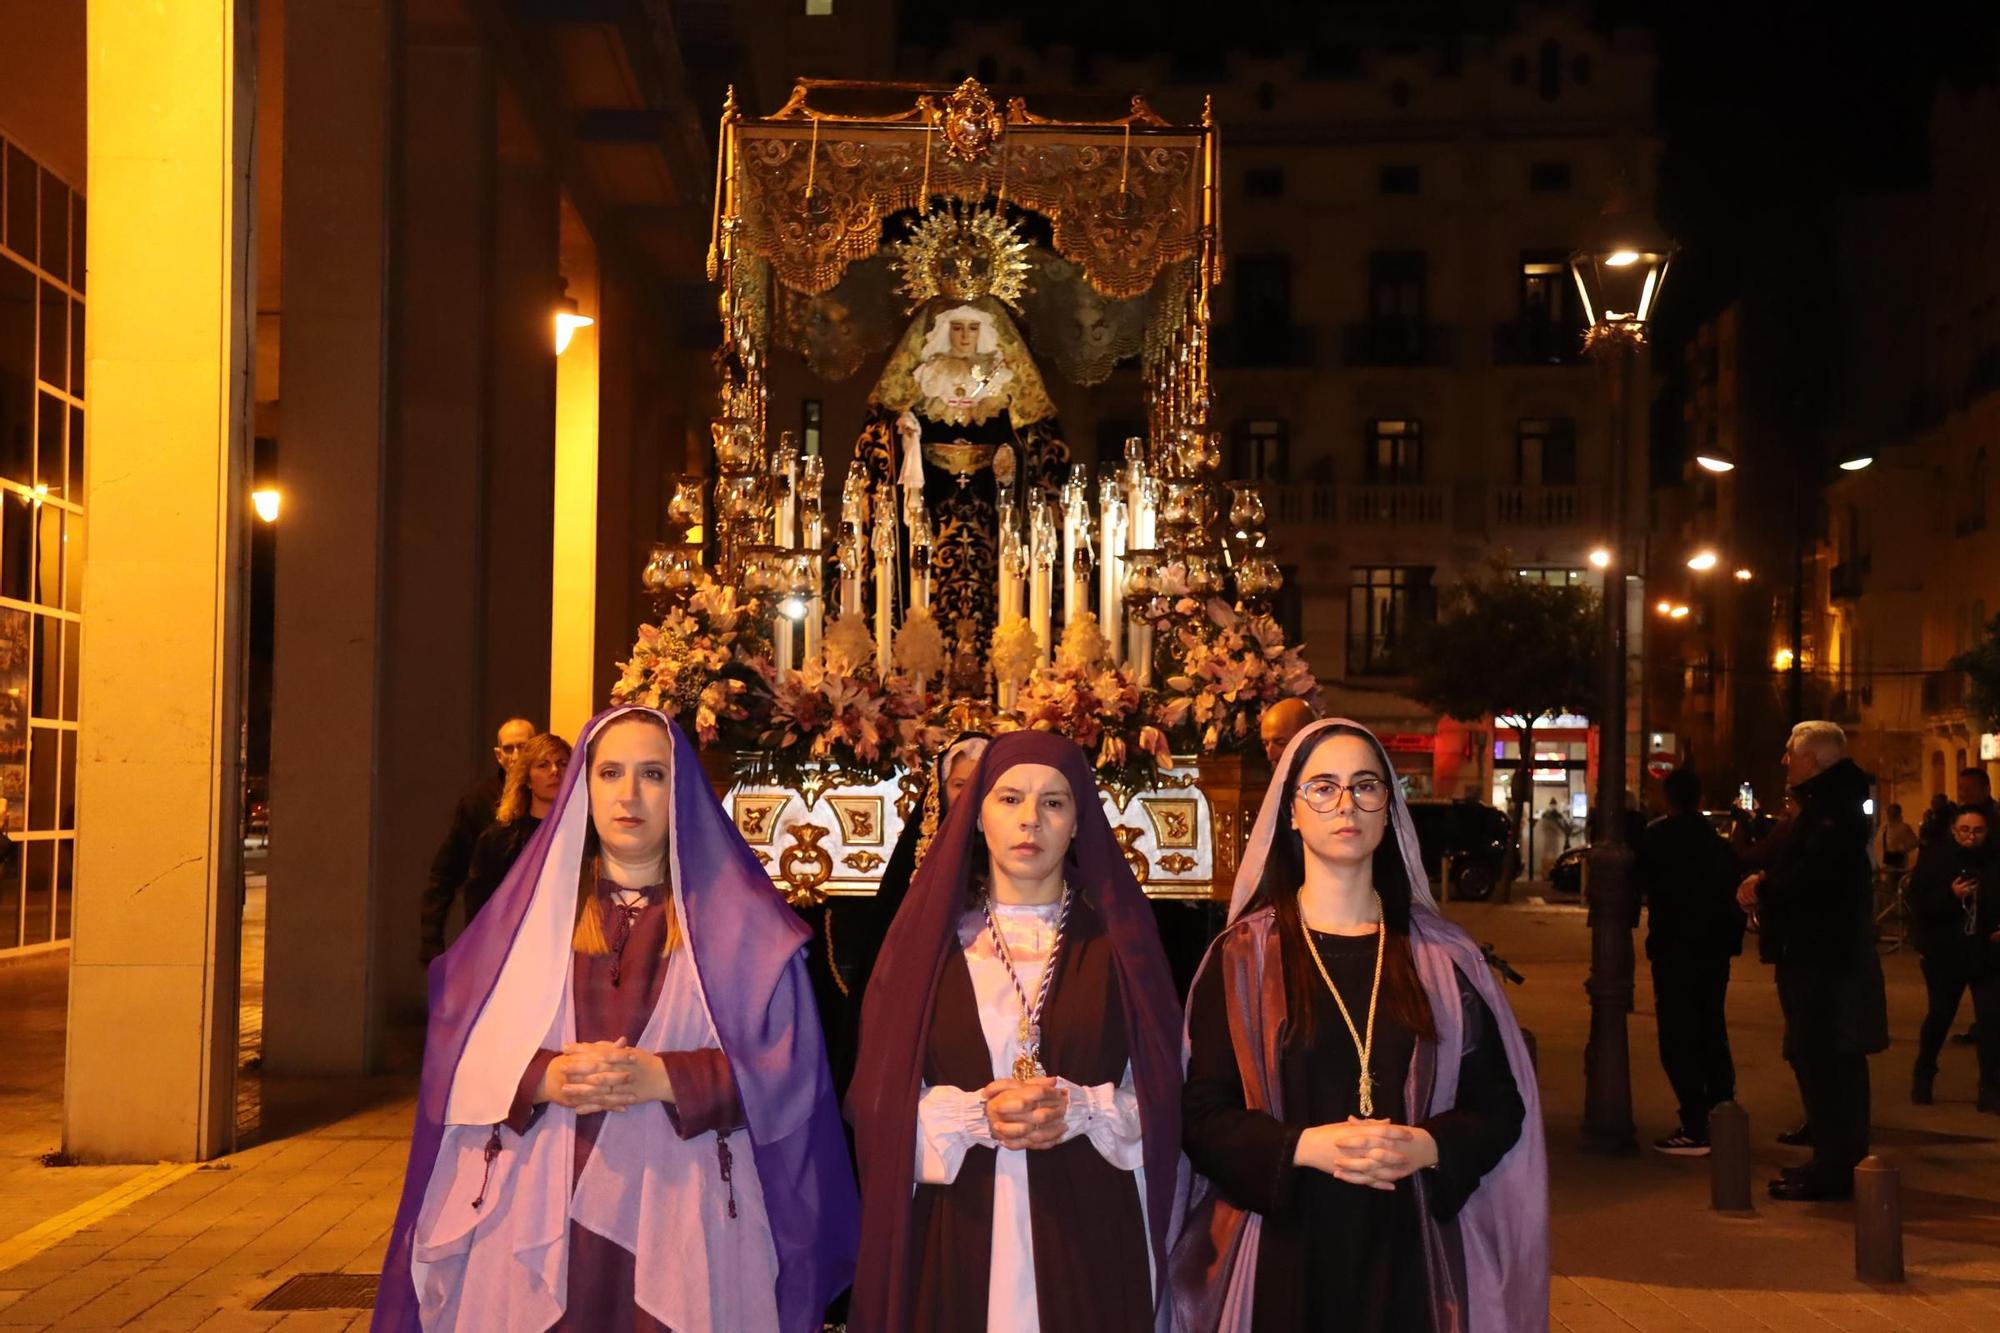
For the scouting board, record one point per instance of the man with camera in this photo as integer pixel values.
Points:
(1955, 913)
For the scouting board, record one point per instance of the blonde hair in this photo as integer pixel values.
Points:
(588, 937)
(517, 794)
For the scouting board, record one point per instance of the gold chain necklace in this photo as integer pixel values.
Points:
(1364, 1047)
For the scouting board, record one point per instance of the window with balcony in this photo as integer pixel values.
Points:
(1549, 328)
(1398, 299)
(1383, 603)
(1263, 334)
(1545, 451)
(1395, 452)
(1262, 448)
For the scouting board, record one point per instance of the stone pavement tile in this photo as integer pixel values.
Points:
(53, 1301)
(320, 1321)
(129, 1303)
(50, 1264)
(242, 1321)
(179, 1312)
(148, 1245)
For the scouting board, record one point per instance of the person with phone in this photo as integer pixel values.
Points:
(1955, 904)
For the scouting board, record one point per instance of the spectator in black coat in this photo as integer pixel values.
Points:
(534, 780)
(475, 810)
(1814, 908)
(1687, 877)
(1935, 827)
(1955, 910)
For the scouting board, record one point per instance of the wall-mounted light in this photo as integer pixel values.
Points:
(1781, 660)
(569, 318)
(1664, 608)
(1744, 576)
(267, 501)
(1600, 558)
(1703, 560)
(1856, 463)
(1680, 612)
(1715, 460)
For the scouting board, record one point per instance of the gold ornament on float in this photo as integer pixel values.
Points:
(963, 254)
(970, 121)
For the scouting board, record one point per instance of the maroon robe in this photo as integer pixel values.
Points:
(614, 996)
(1089, 1234)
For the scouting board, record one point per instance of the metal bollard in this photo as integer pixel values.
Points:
(1878, 1221)
(1729, 1159)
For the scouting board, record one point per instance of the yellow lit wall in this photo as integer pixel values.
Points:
(573, 619)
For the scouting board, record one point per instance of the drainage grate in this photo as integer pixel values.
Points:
(324, 1291)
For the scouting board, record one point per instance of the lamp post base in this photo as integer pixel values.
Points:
(1607, 1100)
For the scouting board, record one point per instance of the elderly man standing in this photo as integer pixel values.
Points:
(475, 810)
(1282, 721)
(1812, 907)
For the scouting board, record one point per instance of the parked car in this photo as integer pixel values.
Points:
(1566, 877)
(1477, 838)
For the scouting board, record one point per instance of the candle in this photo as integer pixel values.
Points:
(812, 556)
(1111, 565)
(885, 579)
(1041, 588)
(1075, 537)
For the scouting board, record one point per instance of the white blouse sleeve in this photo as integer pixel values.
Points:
(949, 1122)
(1110, 1117)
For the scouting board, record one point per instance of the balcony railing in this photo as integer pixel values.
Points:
(1396, 506)
(1543, 507)
(1521, 343)
(1397, 343)
(1301, 504)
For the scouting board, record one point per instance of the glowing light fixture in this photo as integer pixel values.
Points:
(1703, 560)
(1621, 259)
(1717, 461)
(569, 318)
(1620, 271)
(1782, 660)
(1856, 463)
(1664, 608)
(1680, 612)
(1744, 576)
(1600, 558)
(267, 501)
(793, 608)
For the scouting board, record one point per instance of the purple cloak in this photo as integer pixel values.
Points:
(746, 945)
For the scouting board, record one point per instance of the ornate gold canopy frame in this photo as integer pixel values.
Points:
(1133, 201)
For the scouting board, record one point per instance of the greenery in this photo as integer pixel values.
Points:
(1981, 665)
(1505, 647)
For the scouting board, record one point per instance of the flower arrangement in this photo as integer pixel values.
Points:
(836, 717)
(1099, 706)
(1226, 669)
(699, 665)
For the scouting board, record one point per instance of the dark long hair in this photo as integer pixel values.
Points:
(1284, 874)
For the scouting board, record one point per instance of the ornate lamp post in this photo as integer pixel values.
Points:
(1619, 274)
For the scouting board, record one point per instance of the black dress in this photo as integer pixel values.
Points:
(1335, 1256)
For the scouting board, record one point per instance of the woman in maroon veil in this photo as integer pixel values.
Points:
(1017, 1100)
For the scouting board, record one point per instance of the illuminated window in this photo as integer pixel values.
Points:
(819, 8)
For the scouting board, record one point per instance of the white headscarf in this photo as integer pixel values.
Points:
(938, 341)
(1250, 868)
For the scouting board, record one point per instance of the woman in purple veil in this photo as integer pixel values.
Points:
(1360, 1110)
(1016, 1105)
(626, 1119)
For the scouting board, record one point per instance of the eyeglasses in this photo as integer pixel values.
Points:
(1322, 795)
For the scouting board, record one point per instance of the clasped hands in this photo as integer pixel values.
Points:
(1374, 1153)
(1026, 1113)
(590, 1077)
(1746, 892)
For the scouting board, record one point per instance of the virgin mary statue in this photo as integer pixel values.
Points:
(960, 409)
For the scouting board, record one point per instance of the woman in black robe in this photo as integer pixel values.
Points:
(1355, 1180)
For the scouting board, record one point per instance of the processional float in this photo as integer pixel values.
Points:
(972, 577)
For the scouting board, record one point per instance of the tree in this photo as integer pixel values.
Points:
(1981, 665)
(1513, 650)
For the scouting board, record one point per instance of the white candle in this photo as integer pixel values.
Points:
(1142, 653)
(885, 580)
(1075, 537)
(1111, 566)
(781, 640)
(1041, 589)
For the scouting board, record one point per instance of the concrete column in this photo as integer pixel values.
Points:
(521, 427)
(152, 1027)
(434, 741)
(323, 1010)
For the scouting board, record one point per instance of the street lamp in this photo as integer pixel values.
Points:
(1715, 459)
(1704, 560)
(1619, 272)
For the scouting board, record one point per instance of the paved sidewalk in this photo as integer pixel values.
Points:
(1635, 1244)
